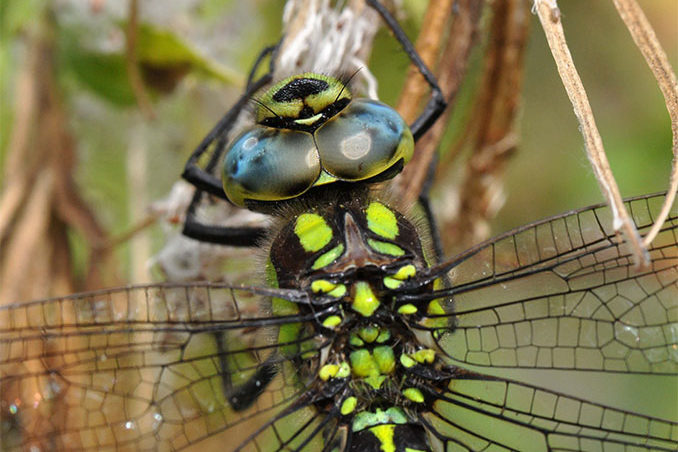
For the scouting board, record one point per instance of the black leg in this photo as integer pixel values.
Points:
(428, 212)
(203, 179)
(241, 397)
(436, 105)
(243, 236)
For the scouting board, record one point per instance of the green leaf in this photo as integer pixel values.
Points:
(162, 49)
(104, 74)
(16, 14)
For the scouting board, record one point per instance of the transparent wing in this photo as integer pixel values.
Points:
(154, 367)
(480, 414)
(165, 367)
(565, 294)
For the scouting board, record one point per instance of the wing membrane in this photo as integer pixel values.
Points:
(139, 366)
(502, 414)
(157, 367)
(565, 294)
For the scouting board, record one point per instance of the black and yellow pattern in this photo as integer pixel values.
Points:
(361, 341)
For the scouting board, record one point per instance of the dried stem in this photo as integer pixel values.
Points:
(646, 40)
(549, 16)
(428, 46)
(451, 73)
(133, 73)
(492, 123)
(43, 200)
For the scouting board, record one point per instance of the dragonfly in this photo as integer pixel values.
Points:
(363, 339)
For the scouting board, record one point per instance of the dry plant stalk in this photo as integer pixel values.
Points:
(450, 73)
(42, 202)
(132, 64)
(646, 40)
(492, 124)
(428, 45)
(549, 17)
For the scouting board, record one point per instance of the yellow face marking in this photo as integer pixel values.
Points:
(313, 232)
(292, 108)
(364, 300)
(381, 220)
(308, 121)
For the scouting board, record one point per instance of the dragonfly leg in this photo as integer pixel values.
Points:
(242, 396)
(436, 105)
(241, 236)
(203, 179)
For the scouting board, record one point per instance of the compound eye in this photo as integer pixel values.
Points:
(364, 140)
(268, 164)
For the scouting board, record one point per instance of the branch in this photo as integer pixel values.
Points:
(549, 16)
(644, 37)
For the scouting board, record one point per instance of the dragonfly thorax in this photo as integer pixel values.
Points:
(355, 259)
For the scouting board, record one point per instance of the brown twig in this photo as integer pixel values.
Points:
(428, 45)
(132, 64)
(493, 122)
(549, 17)
(21, 165)
(35, 260)
(646, 40)
(452, 69)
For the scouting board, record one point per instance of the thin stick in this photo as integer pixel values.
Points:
(409, 184)
(133, 73)
(549, 16)
(646, 40)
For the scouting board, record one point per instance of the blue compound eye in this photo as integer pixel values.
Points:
(364, 140)
(270, 164)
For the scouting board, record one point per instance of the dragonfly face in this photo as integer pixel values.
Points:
(309, 133)
(363, 340)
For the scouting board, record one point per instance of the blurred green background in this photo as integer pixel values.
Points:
(203, 49)
(201, 52)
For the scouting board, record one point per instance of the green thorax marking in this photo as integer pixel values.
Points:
(313, 232)
(327, 258)
(381, 220)
(365, 302)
